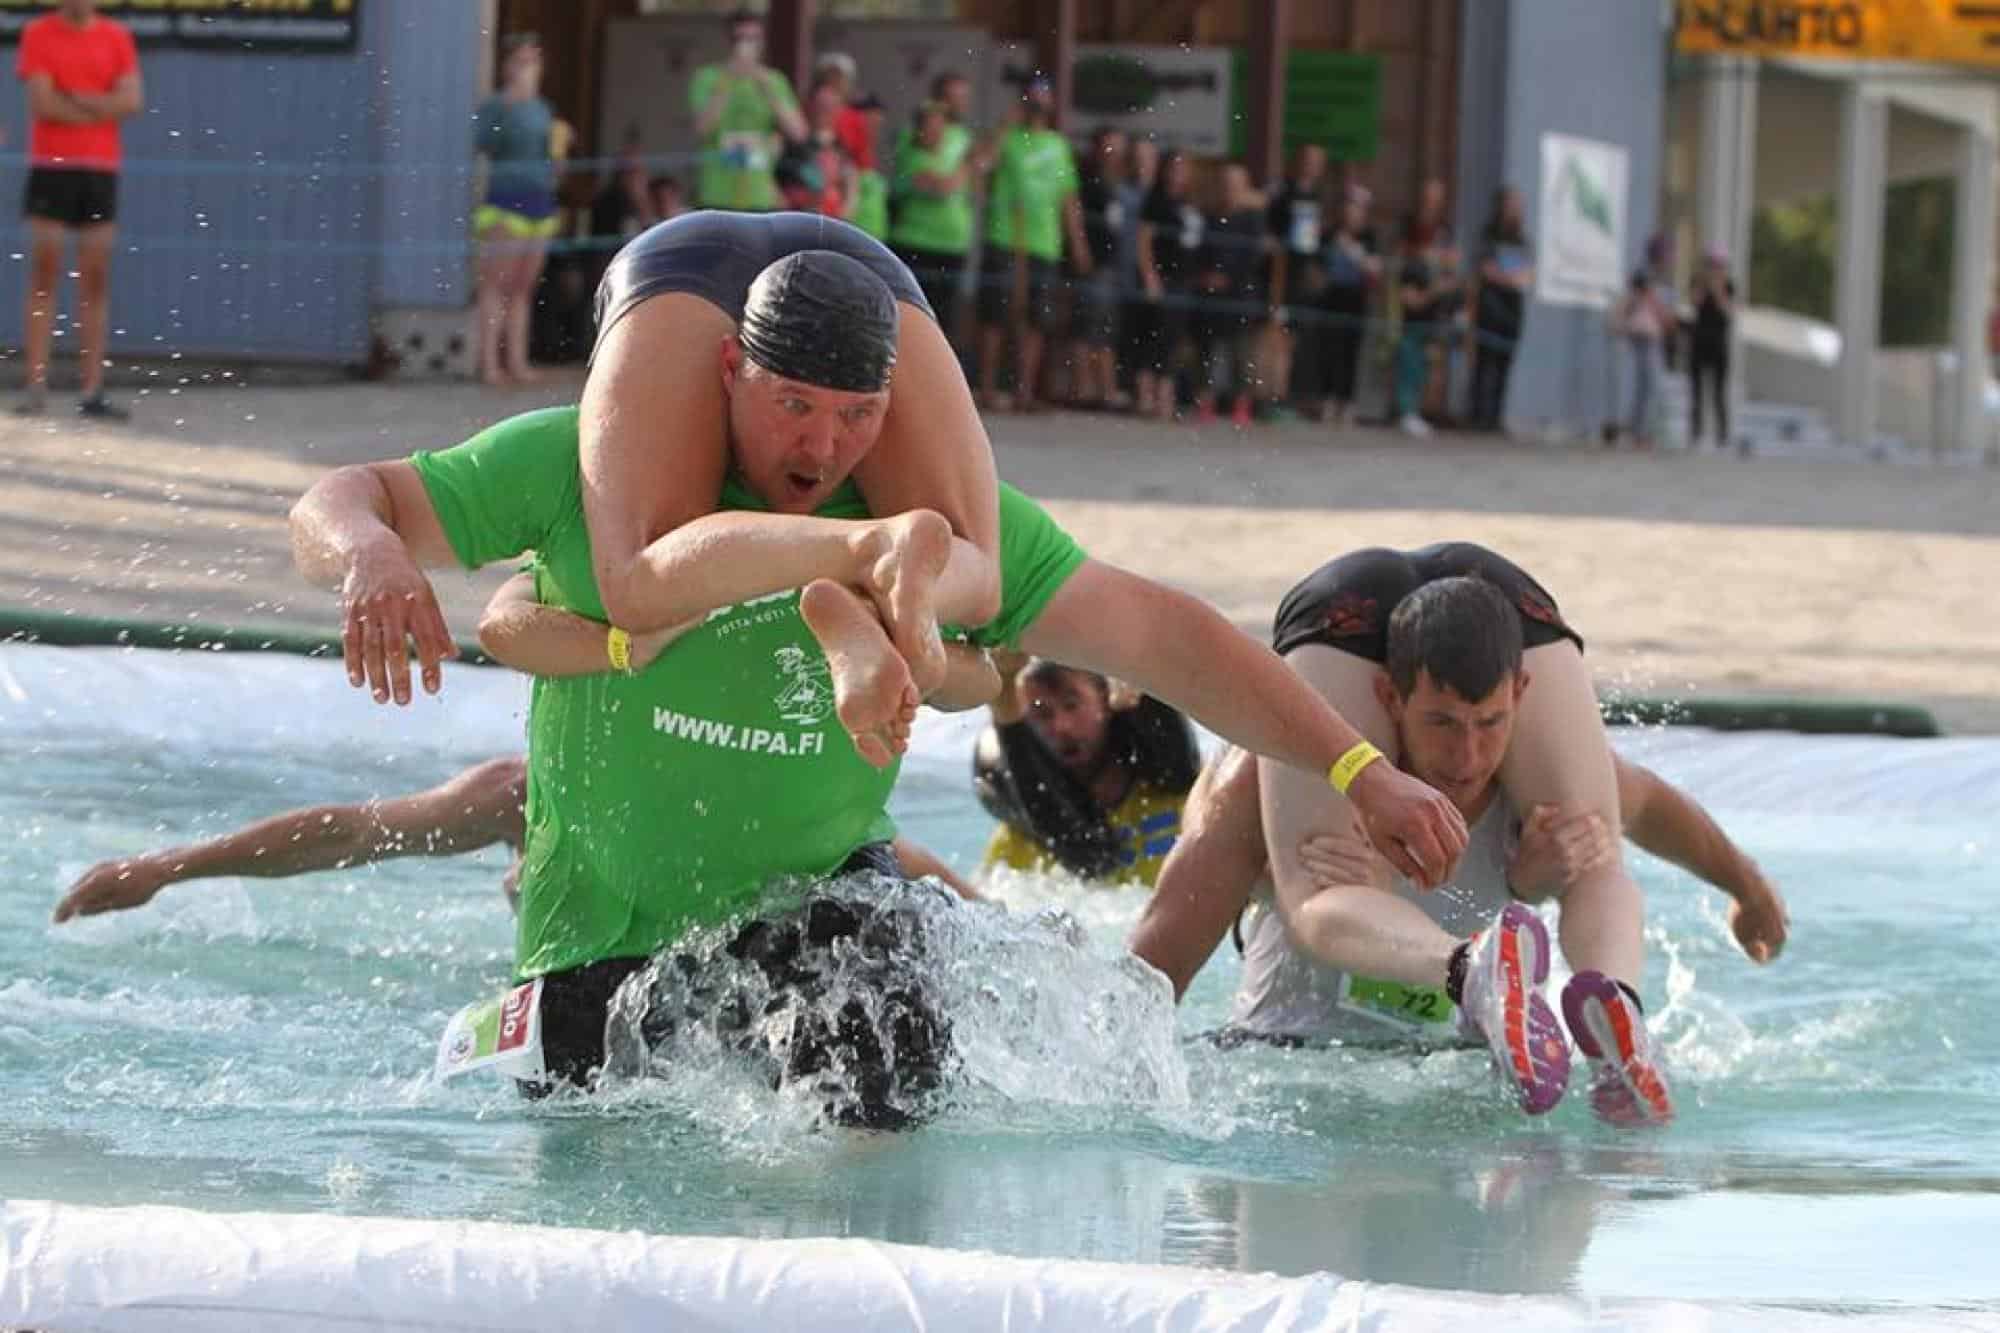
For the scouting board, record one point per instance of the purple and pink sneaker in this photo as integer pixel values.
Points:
(1628, 1088)
(1504, 1006)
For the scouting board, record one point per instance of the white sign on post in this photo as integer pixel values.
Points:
(1581, 259)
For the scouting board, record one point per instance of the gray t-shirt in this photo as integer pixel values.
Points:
(515, 135)
(1286, 993)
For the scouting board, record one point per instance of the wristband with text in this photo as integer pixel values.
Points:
(1346, 768)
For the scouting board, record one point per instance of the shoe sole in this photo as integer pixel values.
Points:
(1528, 1023)
(1601, 1019)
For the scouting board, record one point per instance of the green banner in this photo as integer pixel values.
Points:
(1332, 98)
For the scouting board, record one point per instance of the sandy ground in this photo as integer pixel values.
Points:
(1688, 575)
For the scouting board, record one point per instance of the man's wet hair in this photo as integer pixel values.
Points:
(1461, 632)
(1051, 674)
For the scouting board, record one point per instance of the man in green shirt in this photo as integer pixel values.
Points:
(1030, 210)
(932, 229)
(675, 797)
(743, 111)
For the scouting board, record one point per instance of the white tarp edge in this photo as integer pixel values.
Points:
(68, 1269)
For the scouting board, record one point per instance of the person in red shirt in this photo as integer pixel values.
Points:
(82, 74)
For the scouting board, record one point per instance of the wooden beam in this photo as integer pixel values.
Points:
(1055, 50)
(1169, 20)
(1264, 100)
(788, 41)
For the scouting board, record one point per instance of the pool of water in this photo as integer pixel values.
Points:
(245, 1044)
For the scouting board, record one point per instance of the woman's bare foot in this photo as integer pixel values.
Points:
(901, 573)
(493, 377)
(524, 375)
(872, 691)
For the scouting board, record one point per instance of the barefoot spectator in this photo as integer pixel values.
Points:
(82, 75)
(519, 135)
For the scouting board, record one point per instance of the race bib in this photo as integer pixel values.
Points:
(1303, 236)
(1192, 227)
(1419, 1010)
(503, 1034)
(745, 150)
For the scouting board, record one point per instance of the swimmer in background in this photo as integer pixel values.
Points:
(1344, 948)
(471, 810)
(1083, 773)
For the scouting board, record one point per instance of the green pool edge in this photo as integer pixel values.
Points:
(1843, 717)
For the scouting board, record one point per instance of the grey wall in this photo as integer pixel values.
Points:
(261, 189)
(1594, 68)
(429, 55)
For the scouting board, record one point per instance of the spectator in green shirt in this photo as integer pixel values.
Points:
(861, 135)
(932, 226)
(743, 111)
(1030, 212)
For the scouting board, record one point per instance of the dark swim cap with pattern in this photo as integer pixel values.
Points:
(821, 318)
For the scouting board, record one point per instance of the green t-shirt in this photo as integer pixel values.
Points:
(937, 224)
(672, 797)
(1035, 172)
(738, 156)
(871, 204)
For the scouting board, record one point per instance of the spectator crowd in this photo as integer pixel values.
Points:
(1117, 272)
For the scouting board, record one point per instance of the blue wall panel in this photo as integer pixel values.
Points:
(271, 200)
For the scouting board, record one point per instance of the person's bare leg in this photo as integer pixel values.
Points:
(1028, 397)
(490, 308)
(1208, 877)
(992, 345)
(1560, 755)
(933, 454)
(524, 273)
(872, 690)
(93, 301)
(44, 271)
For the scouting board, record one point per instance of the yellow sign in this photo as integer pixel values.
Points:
(1936, 31)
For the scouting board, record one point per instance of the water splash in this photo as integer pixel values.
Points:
(880, 1003)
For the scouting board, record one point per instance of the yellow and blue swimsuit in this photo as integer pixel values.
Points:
(1146, 824)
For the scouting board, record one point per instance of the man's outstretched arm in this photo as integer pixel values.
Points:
(1670, 824)
(477, 808)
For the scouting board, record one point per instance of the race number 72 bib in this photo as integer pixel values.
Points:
(503, 1034)
(1417, 1010)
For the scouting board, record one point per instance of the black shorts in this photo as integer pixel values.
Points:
(717, 255)
(71, 196)
(996, 291)
(1345, 603)
(879, 1059)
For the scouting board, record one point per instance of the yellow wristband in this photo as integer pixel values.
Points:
(618, 647)
(1348, 766)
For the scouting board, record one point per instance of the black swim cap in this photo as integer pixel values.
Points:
(821, 318)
